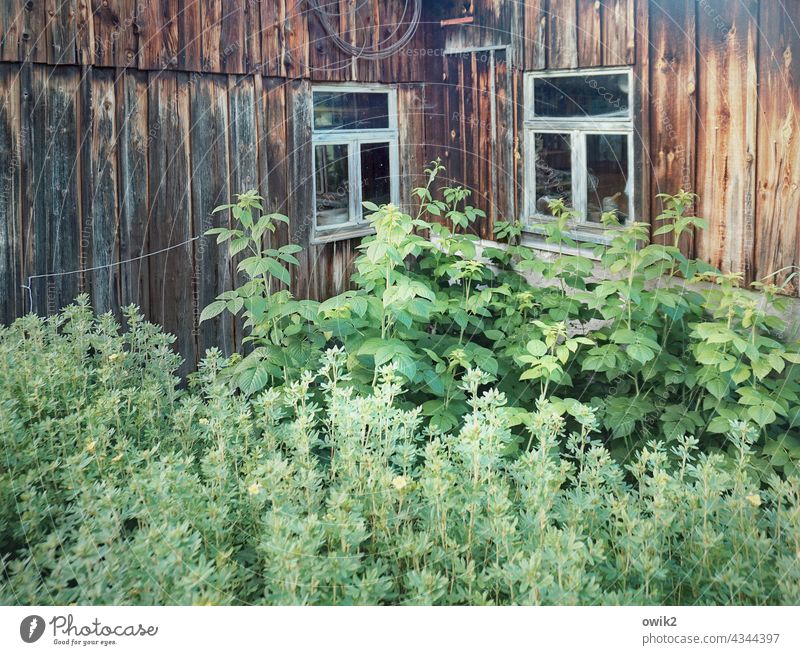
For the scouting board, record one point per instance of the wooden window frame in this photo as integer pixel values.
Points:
(580, 229)
(356, 226)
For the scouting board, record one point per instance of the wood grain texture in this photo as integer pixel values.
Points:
(59, 188)
(562, 51)
(777, 230)
(536, 30)
(159, 42)
(619, 30)
(171, 272)
(115, 32)
(673, 88)
(12, 22)
(590, 51)
(134, 183)
(12, 142)
(727, 122)
(100, 211)
(299, 180)
(210, 188)
(61, 31)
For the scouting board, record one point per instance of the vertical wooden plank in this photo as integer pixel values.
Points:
(85, 41)
(133, 147)
(294, 51)
(536, 22)
(61, 31)
(190, 29)
(326, 61)
(212, 35)
(209, 152)
(299, 178)
(159, 42)
(517, 92)
(411, 106)
(251, 59)
(778, 218)
(503, 162)
(273, 16)
(33, 44)
(367, 34)
(60, 187)
(12, 21)
(563, 35)
(619, 30)
(452, 158)
(272, 145)
(233, 42)
(243, 137)
(642, 109)
(11, 145)
(34, 224)
(728, 80)
(673, 103)
(114, 32)
(100, 215)
(589, 33)
(171, 272)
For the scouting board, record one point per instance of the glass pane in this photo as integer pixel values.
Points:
(375, 174)
(332, 184)
(579, 96)
(607, 164)
(350, 111)
(553, 170)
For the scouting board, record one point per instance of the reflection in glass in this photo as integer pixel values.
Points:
(553, 170)
(332, 185)
(607, 164)
(375, 177)
(334, 110)
(579, 96)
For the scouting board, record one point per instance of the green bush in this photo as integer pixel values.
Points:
(116, 488)
(659, 358)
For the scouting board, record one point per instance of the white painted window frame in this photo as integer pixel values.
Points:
(356, 226)
(577, 129)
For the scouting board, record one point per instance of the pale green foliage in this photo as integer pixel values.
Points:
(118, 489)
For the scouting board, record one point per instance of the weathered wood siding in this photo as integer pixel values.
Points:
(124, 122)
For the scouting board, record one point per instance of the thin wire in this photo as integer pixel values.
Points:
(97, 268)
(364, 52)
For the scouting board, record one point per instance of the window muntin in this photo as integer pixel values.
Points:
(597, 174)
(355, 147)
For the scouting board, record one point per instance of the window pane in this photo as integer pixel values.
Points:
(553, 170)
(332, 185)
(607, 164)
(350, 111)
(580, 96)
(375, 174)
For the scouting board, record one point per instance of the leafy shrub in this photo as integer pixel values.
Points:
(658, 358)
(117, 488)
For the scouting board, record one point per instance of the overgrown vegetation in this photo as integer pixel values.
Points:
(117, 488)
(655, 356)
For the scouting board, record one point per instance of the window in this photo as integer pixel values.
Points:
(579, 145)
(355, 157)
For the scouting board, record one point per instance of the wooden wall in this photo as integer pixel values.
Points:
(121, 130)
(717, 107)
(124, 122)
